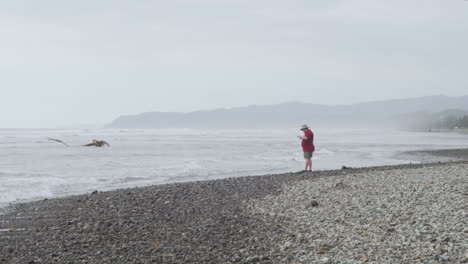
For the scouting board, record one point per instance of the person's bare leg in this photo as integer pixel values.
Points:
(310, 164)
(306, 163)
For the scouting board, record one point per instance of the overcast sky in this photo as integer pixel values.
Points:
(87, 62)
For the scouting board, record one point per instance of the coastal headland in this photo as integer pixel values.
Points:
(415, 213)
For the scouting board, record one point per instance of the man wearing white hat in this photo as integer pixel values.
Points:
(307, 146)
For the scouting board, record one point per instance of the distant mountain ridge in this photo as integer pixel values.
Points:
(377, 113)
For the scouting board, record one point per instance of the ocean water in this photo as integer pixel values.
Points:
(32, 167)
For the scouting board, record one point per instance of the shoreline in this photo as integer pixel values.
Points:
(232, 220)
(438, 154)
(435, 156)
(448, 130)
(411, 157)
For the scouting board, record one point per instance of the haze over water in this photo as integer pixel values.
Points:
(32, 167)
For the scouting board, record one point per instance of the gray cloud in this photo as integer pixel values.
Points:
(89, 61)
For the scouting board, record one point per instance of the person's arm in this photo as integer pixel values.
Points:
(302, 137)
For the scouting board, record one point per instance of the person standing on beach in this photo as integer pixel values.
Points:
(307, 146)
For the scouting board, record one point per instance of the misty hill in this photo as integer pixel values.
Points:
(447, 119)
(378, 113)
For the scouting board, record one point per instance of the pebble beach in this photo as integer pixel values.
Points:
(415, 213)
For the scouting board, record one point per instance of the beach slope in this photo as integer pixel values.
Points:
(389, 214)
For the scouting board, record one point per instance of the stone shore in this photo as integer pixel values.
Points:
(389, 214)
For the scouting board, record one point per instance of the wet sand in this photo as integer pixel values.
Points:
(441, 155)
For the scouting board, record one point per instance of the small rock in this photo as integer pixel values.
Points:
(299, 238)
(95, 192)
(287, 245)
(326, 260)
(253, 259)
(313, 203)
